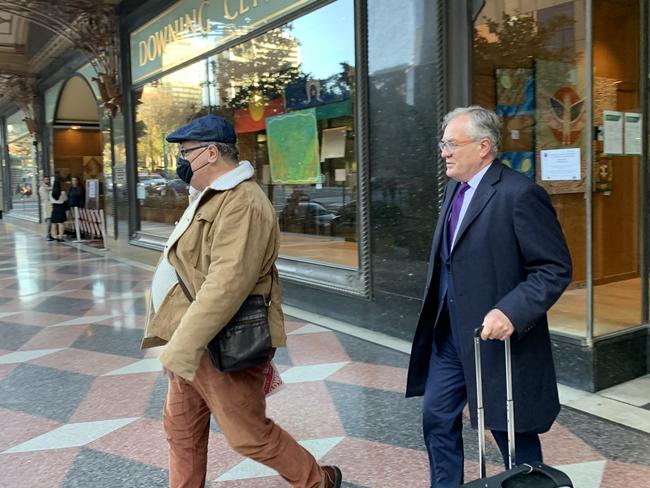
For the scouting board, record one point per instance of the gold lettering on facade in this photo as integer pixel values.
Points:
(170, 32)
(244, 6)
(142, 49)
(204, 30)
(188, 25)
(158, 45)
(154, 46)
(191, 21)
(226, 11)
(151, 48)
(180, 26)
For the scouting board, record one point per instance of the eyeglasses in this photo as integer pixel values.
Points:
(185, 152)
(451, 146)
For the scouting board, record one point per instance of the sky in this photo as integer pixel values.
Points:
(326, 38)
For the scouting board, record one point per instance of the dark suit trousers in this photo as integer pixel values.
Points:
(445, 396)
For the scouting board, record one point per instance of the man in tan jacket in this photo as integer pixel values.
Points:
(223, 249)
(44, 191)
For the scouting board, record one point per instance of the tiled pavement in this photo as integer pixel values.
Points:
(81, 404)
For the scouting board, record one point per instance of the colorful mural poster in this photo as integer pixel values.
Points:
(561, 105)
(561, 115)
(516, 106)
(524, 162)
(293, 148)
(515, 91)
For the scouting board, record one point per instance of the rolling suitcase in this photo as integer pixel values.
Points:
(534, 475)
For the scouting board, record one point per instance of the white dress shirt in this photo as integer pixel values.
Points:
(469, 194)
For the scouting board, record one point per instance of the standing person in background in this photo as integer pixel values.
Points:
(76, 197)
(59, 200)
(46, 205)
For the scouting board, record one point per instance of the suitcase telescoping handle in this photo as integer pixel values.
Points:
(510, 412)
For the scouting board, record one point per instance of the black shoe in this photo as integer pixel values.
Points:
(50, 238)
(60, 240)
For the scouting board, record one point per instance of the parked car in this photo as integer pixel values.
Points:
(307, 218)
(177, 186)
(346, 224)
(151, 180)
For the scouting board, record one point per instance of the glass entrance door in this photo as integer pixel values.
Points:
(617, 170)
(529, 66)
(566, 79)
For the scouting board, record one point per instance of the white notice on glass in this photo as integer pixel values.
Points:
(613, 132)
(333, 143)
(340, 175)
(632, 133)
(91, 188)
(561, 164)
(120, 174)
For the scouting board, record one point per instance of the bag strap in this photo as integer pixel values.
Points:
(186, 292)
(188, 295)
(272, 273)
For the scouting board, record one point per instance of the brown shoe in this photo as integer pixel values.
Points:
(332, 477)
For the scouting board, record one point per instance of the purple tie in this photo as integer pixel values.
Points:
(455, 213)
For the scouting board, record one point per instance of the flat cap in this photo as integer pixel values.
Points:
(209, 128)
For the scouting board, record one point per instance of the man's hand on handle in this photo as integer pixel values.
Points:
(496, 326)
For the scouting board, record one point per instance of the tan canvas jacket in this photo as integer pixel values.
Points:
(227, 253)
(44, 193)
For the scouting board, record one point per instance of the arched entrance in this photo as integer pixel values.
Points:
(77, 140)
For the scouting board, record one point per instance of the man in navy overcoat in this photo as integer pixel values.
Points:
(498, 260)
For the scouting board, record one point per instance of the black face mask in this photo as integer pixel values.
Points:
(184, 169)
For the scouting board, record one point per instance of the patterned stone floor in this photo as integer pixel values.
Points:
(81, 404)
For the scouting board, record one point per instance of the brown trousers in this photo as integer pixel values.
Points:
(238, 404)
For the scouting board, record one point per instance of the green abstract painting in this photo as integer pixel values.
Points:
(293, 148)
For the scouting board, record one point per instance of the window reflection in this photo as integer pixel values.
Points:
(24, 193)
(616, 200)
(528, 66)
(289, 94)
(163, 106)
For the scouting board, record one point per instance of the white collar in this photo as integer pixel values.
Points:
(233, 177)
(476, 179)
(229, 180)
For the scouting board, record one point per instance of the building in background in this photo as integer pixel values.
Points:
(338, 106)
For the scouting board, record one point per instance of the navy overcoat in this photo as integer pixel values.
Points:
(510, 254)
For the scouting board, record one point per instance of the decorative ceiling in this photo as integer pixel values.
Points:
(36, 33)
(13, 38)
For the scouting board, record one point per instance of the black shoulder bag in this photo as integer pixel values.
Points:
(245, 341)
